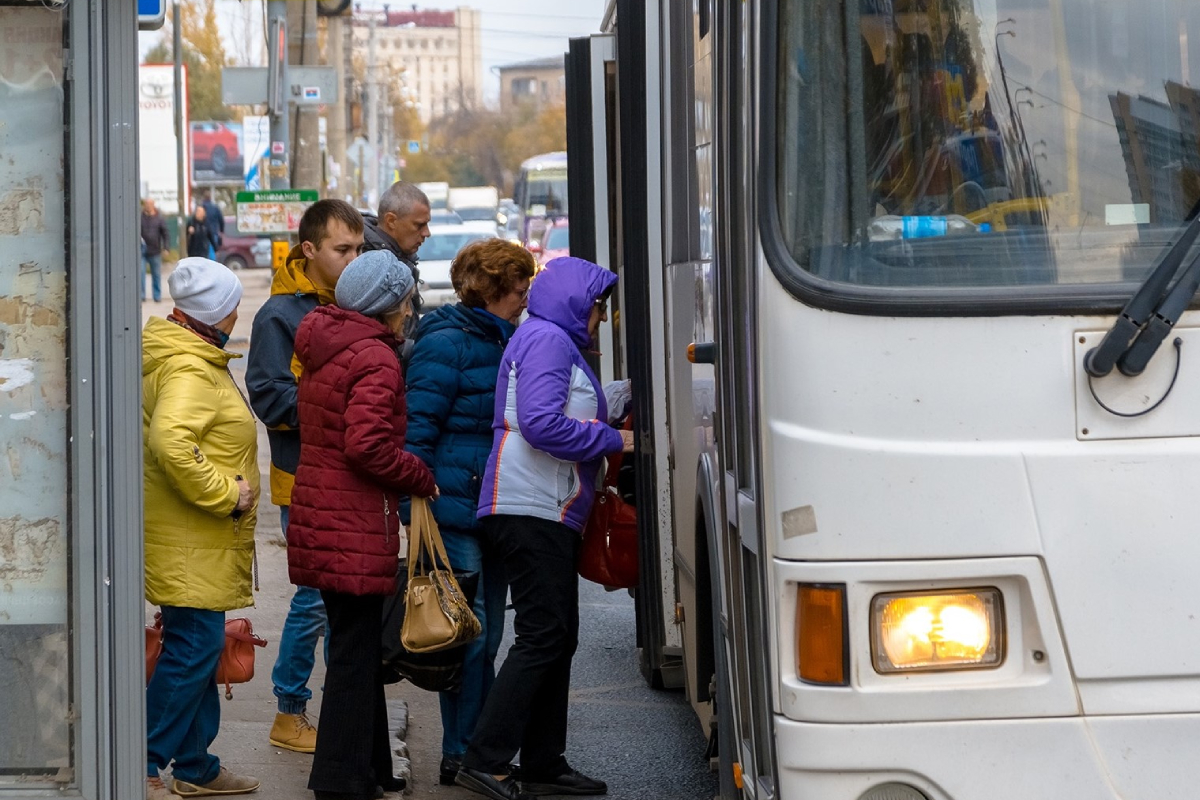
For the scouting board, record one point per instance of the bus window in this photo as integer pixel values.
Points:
(990, 142)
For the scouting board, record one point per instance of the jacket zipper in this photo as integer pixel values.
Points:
(387, 519)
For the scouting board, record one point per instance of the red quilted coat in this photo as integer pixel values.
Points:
(344, 526)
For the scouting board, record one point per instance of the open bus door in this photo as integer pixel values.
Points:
(620, 236)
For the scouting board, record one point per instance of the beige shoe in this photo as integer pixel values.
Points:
(294, 732)
(225, 783)
(157, 790)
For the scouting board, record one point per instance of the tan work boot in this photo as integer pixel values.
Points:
(226, 782)
(294, 732)
(157, 790)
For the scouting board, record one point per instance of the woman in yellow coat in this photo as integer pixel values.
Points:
(201, 488)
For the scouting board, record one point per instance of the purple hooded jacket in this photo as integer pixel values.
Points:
(550, 430)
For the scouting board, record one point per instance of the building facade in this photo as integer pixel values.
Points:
(540, 83)
(437, 55)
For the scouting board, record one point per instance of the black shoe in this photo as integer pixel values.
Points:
(570, 782)
(484, 784)
(448, 769)
(390, 783)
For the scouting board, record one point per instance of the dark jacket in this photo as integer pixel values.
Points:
(375, 238)
(451, 382)
(344, 529)
(272, 372)
(155, 238)
(199, 238)
(215, 220)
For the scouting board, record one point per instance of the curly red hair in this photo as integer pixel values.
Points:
(487, 270)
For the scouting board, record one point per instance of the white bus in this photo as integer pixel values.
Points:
(907, 534)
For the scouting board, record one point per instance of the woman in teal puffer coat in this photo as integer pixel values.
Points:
(451, 403)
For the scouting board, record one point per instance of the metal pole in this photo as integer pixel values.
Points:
(277, 93)
(180, 133)
(337, 116)
(372, 119)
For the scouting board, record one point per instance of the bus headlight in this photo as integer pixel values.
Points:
(954, 629)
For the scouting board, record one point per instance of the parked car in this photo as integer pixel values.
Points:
(239, 250)
(215, 147)
(555, 242)
(435, 257)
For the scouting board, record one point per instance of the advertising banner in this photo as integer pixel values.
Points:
(256, 138)
(216, 154)
(276, 212)
(156, 136)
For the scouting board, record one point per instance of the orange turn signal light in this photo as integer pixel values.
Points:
(821, 654)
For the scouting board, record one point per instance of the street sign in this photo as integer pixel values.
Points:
(414, 146)
(273, 212)
(151, 14)
(306, 86)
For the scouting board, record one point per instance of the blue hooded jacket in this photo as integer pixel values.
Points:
(550, 429)
(451, 382)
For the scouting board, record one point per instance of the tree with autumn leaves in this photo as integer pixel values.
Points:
(203, 54)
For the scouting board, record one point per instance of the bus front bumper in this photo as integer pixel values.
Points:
(1151, 757)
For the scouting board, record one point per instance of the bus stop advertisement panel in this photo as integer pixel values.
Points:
(71, 691)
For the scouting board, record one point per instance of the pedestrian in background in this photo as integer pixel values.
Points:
(154, 240)
(331, 234)
(201, 487)
(345, 530)
(200, 241)
(550, 439)
(215, 218)
(451, 402)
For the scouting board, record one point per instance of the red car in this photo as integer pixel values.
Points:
(215, 147)
(555, 242)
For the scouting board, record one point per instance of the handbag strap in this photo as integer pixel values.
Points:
(424, 541)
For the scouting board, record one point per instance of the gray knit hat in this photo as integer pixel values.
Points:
(204, 289)
(374, 283)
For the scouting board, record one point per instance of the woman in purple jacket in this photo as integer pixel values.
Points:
(549, 443)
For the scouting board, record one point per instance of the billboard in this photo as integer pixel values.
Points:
(216, 153)
(156, 136)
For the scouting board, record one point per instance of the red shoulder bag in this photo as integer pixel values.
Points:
(609, 552)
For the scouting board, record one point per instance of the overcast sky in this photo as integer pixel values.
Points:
(511, 32)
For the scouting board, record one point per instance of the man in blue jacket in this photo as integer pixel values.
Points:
(331, 235)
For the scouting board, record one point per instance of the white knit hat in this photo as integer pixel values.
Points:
(204, 289)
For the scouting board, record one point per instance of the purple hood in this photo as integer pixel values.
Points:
(564, 293)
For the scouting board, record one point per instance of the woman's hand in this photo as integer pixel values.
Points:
(627, 441)
(436, 493)
(245, 496)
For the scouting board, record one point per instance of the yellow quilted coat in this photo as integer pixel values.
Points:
(198, 435)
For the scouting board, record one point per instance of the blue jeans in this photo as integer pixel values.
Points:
(155, 264)
(183, 706)
(460, 710)
(298, 644)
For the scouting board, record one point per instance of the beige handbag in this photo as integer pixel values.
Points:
(436, 614)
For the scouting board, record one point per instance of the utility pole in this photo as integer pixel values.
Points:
(277, 100)
(305, 146)
(372, 119)
(180, 133)
(337, 115)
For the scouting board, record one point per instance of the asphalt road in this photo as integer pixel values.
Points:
(647, 744)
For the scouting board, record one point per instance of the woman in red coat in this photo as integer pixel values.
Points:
(344, 533)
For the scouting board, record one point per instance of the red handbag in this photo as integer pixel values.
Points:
(237, 657)
(609, 552)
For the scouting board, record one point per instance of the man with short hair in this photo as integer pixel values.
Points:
(155, 239)
(331, 235)
(401, 227)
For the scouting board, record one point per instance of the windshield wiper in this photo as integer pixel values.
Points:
(1119, 348)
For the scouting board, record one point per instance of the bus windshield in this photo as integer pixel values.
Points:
(986, 143)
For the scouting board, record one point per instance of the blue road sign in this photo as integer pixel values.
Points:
(151, 14)
(414, 146)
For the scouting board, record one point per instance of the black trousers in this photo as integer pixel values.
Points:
(353, 754)
(526, 708)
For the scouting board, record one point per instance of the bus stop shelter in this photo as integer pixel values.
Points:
(71, 608)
